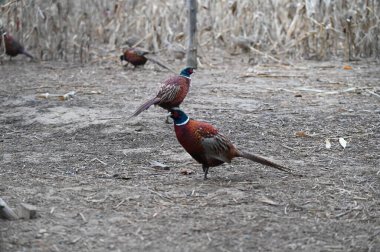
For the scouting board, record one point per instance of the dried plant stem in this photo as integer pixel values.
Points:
(298, 29)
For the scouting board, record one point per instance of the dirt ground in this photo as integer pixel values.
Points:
(93, 177)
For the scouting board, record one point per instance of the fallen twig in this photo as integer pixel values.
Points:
(372, 93)
(100, 161)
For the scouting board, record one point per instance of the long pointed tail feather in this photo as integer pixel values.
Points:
(145, 106)
(267, 162)
(27, 54)
(160, 64)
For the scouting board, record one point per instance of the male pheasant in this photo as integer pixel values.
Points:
(172, 92)
(138, 57)
(134, 56)
(13, 47)
(207, 146)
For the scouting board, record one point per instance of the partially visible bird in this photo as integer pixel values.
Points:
(12, 46)
(134, 56)
(172, 93)
(207, 146)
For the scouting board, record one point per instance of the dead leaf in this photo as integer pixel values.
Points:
(114, 176)
(342, 142)
(158, 165)
(66, 96)
(43, 96)
(180, 36)
(186, 171)
(328, 144)
(95, 92)
(301, 134)
(121, 176)
(347, 67)
(265, 200)
(233, 6)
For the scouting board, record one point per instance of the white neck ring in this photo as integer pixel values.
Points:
(185, 122)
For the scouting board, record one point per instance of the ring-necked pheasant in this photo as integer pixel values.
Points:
(138, 57)
(172, 92)
(207, 146)
(13, 47)
(134, 56)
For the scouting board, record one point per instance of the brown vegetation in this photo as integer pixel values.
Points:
(80, 30)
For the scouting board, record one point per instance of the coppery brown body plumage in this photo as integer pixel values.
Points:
(172, 92)
(13, 47)
(134, 56)
(207, 146)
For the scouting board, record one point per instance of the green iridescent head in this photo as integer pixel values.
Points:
(186, 72)
(179, 116)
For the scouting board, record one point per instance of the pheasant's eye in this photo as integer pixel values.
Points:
(174, 114)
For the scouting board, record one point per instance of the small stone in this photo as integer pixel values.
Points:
(27, 211)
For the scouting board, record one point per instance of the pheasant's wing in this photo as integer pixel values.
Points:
(17, 46)
(168, 92)
(215, 145)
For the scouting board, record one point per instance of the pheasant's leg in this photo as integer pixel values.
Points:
(205, 170)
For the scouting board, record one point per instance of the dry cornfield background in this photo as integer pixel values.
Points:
(73, 30)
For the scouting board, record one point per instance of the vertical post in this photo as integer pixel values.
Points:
(191, 55)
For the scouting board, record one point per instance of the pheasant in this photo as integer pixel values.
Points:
(138, 57)
(172, 92)
(12, 46)
(134, 56)
(207, 146)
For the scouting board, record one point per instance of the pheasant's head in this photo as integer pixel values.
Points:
(179, 117)
(186, 72)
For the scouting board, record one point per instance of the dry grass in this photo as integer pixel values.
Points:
(82, 30)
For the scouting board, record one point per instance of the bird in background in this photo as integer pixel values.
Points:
(138, 57)
(134, 56)
(171, 94)
(209, 147)
(12, 46)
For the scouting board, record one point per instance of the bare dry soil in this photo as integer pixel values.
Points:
(95, 179)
